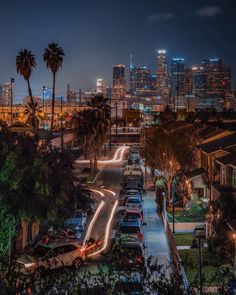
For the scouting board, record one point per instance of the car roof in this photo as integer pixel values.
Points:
(60, 242)
(130, 222)
(132, 245)
(134, 198)
(133, 212)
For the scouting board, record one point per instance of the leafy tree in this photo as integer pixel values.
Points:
(53, 57)
(7, 228)
(33, 112)
(168, 152)
(167, 116)
(25, 63)
(221, 216)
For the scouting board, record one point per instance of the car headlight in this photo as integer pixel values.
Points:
(27, 265)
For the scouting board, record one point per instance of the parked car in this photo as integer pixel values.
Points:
(133, 215)
(78, 222)
(133, 193)
(128, 285)
(51, 255)
(134, 204)
(129, 231)
(130, 255)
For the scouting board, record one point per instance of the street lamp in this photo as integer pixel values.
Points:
(173, 214)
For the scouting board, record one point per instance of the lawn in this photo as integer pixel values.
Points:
(182, 216)
(183, 239)
(211, 265)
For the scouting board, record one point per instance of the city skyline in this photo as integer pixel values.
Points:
(92, 46)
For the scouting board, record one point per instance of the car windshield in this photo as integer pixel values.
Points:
(40, 251)
(129, 230)
(134, 201)
(132, 215)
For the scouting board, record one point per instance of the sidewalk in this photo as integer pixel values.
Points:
(156, 241)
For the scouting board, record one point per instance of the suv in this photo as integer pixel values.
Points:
(129, 231)
(134, 204)
(51, 255)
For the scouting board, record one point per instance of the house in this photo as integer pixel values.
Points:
(227, 176)
(197, 183)
(210, 151)
(211, 133)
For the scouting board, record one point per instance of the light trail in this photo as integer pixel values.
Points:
(115, 158)
(98, 192)
(107, 231)
(109, 191)
(88, 233)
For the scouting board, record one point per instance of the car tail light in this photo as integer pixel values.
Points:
(139, 258)
(140, 236)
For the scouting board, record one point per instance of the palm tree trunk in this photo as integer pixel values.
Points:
(53, 100)
(30, 92)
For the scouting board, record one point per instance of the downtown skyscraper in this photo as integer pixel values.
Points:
(177, 81)
(118, 86)
(162, 81)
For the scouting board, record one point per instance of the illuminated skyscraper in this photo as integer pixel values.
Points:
(101, 87)
(118, 87)
(162, 83)
(140, 83)
(213, 68)
(5, 94)
(177, 80)
(199, 82)
(188, 81)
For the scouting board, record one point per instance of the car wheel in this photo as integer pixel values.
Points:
(77, 262)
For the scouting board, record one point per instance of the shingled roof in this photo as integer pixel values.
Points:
(219, 144)
(228, 159)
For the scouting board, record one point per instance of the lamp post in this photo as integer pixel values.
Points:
(61, 127)
(12, 80)
(173, 215)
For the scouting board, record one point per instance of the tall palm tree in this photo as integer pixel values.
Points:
(53, 57)
(25, 63)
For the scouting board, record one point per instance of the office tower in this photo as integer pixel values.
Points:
(118, 89)
(177, 80)
(188, 81)
(162, 83)
(140, 83)
(213, 68)
(5, 94)
(199, 82)
(226, 81)
(101, 87)
(46, 92)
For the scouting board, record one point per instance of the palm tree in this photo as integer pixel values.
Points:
(25, 63)
(34, 114)
(53, 57)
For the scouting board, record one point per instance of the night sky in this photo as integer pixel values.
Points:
(96, 34)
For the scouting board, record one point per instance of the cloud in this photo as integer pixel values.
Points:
(208, 11)
(160, 16)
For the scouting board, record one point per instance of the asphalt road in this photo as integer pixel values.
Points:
(108, 179)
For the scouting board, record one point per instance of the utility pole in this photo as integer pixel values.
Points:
(61, 126)
(116, 117)
(44, 87)
(164, 210)
(12, 80)
(200, 264)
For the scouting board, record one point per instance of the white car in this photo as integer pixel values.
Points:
(51, 255)
(134, 204)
